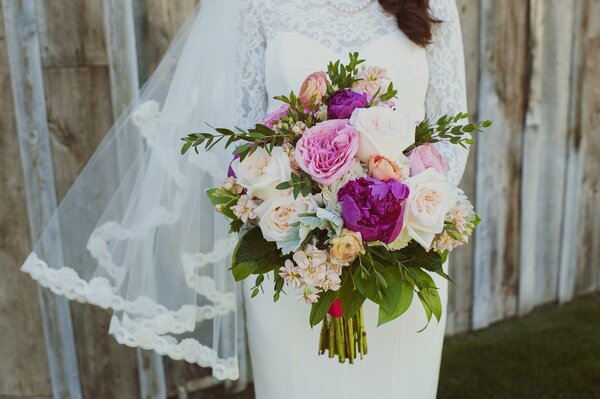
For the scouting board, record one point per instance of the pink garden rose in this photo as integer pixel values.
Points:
(327, 150)
(425, 157)
(314, 85)
(275, 117)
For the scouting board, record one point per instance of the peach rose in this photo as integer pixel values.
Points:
(381, 168)
(346, 247)
(315, 85)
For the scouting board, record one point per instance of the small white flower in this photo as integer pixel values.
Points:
(244, 209)
(231, 184)
(331, 282)
(372, 78)
(290, 274)
(309, 296)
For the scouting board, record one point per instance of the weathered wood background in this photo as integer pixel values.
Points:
(533, 67)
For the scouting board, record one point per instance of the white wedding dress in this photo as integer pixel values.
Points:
(286, 41)
(136, 233)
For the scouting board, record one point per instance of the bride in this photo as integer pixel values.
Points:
(136, 233)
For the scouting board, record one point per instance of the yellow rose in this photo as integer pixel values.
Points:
(346, 247)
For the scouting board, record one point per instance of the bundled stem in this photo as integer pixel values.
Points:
(343, 338)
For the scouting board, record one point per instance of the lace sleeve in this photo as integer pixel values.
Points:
(252, 96)
(447, 85)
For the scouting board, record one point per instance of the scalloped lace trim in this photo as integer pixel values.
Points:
(152, 322)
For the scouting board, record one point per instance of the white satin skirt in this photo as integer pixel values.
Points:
(401, 362)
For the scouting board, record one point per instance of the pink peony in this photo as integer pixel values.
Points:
(275, 117)
(315, 85)
(425, 157)
(327, 150)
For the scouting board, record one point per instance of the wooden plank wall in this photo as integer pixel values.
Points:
(532, 67)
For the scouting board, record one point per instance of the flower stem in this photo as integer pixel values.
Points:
(330, 322)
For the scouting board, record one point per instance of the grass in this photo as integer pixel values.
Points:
(552, 353)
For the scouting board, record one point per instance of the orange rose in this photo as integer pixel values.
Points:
(383, 169)
(315, 85)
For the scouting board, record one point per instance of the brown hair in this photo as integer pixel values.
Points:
(413, 18)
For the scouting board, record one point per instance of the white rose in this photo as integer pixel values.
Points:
(430, 199)
(260, 172)
(278, 213)
(382, 131)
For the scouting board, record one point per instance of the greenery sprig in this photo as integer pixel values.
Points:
(343, 76)
(260, 136)
(447, 129)
(300, 183)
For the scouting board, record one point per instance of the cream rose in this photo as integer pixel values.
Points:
(260, 172)
(382, 131)
(278, 213)
(430, 199)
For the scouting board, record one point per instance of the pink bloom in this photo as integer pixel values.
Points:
(315, 85)
(275, 117)
(425, 157)
(327, 150)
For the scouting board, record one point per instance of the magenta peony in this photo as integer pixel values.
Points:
(343, 102)
(424, 157)
(374, 208)
(327, 150)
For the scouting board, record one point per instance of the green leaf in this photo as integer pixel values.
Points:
(367, 285)
(253, 248)
(319, 309)
(225, 198)
(243, 270)
(349, 296)
(405, 299)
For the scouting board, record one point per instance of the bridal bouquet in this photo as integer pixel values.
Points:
(340, 196)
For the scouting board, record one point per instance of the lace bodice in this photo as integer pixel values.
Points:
(265, 21)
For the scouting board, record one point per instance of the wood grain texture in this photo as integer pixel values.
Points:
(579, 262)
(544, 154)
(74, 33)
(588, 259)
(24, 365)
(157, 22)
(504, 74)
(461, 260)
(24, 57)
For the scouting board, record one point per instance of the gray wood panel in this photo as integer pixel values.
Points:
(504, 75)
(34, 145)
(24, 366)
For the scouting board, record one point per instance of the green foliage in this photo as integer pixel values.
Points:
(223, 198)
(254, 255)
(349, 295)
(319, 309)
(296, 111)
(343, 76)
(260, 136)
(300, 183)
(447, 129)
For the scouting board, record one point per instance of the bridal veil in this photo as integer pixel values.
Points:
(136, 233)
